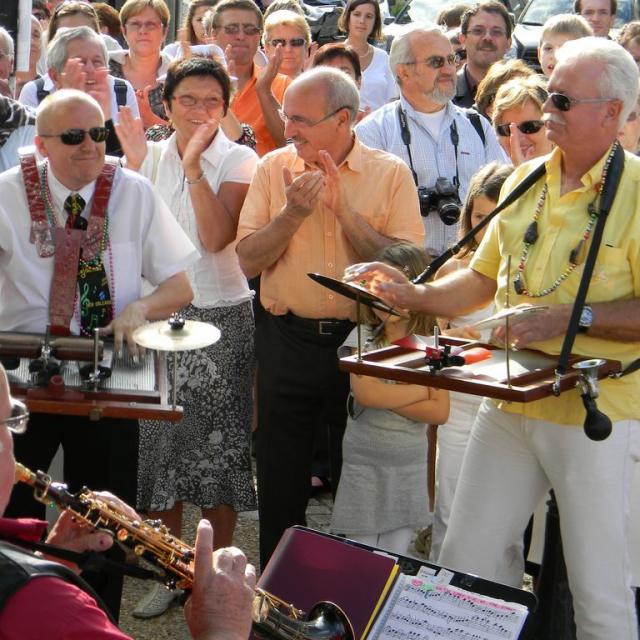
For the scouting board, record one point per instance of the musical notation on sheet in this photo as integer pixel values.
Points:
(422, 608)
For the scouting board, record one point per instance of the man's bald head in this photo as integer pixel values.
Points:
(58, 102)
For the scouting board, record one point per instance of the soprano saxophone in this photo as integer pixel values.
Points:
(151, 540)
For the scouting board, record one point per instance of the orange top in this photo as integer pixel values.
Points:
(379, 188)
(246, 107)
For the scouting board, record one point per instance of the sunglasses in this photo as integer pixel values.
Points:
(294, 42)
(437, 62)
(17, 422)
(564, 103)
(526, 127)
(74, 137)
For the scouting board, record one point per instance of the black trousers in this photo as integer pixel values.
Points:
(101, 455)
(299, 384)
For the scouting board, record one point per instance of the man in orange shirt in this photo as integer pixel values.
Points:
(318, 205)
(237, 25)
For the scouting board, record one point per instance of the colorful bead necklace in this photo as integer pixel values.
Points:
(531, 235)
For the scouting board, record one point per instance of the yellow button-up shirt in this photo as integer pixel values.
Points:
(377, 185)
(616, 276)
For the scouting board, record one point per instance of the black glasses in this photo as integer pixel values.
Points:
(437, 62)
(74, 137)
(247, 29)
(564, 103)
(294, 42)
(526, 127)
(300, 121)
(17, 422)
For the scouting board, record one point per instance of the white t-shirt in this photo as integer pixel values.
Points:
(216, 278)
(144, 240)
(432, 121)
(29, 96)
(378, 85)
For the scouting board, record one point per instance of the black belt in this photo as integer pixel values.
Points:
(321, 327)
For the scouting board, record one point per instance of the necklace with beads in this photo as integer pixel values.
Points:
(531, 235)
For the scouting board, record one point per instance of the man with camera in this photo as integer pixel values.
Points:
(442, 144)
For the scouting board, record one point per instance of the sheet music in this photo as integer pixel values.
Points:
(421, 608)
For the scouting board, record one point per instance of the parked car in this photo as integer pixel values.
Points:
(406, 11)
(526, 35)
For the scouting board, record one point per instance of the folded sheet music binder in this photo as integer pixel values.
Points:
(391, 597)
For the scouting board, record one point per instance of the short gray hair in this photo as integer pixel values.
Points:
(619, 78)
(339, 89)
(400, 52)
(6, 41)
(57, 51)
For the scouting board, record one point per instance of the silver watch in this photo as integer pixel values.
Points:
(586, 319)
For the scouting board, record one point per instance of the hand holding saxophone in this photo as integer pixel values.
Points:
(222, 595)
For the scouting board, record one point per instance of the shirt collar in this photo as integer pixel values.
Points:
(411, 112)
(590, 180)
(213, 154)
(59, 192)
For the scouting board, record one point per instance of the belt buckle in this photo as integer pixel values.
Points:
(321, 329)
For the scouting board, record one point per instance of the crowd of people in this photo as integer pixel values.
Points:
(209, 176)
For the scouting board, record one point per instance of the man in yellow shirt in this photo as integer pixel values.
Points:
(318, 205)
(517, 452)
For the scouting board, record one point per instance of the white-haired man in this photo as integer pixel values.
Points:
(517, 452)
(315, 206)
(77, 59)
(434, 137)
(76, 235)
(41, 598)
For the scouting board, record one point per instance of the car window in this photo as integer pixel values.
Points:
(537, 11)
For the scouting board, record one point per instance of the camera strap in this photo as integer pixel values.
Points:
(405, 134)
(522, 187)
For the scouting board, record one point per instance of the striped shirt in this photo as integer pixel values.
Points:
(433, 158)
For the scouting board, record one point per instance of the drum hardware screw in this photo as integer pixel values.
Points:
(176, 322)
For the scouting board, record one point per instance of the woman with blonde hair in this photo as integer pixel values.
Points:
(290, 31)
(517, 119)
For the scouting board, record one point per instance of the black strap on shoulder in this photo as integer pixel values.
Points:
(41, 92)
(120, 87)
(521, 188)
(609, 191)
(476, 120)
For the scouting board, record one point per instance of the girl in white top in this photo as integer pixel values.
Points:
(482, 198)
(362, 22)
(204, 178)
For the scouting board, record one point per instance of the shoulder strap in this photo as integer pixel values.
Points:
(527, 182)
(476, 120)
(120, 87)
(609, 191)
(41, 92)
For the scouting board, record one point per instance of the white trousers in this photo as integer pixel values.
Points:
(396, 540)
(510, 463)
(452, 443)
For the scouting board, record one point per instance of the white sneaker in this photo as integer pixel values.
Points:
(155, 602)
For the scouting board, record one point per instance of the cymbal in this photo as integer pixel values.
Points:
(162, 337)
(353, 291)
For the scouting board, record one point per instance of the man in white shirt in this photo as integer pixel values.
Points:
(77, 59)
(133, 235)
(439, 141)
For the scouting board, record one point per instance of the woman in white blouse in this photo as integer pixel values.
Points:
(362, 22)
(203, 177)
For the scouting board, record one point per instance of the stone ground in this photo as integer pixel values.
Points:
(171, 624)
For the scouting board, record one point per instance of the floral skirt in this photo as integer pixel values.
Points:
(204, 459)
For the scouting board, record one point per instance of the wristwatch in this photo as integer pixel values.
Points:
(586, 319)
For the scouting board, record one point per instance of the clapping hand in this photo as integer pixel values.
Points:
(130, 132)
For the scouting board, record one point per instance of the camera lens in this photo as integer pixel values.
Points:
(449, 212)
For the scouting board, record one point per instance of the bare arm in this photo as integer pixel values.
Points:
(451, 296)
(216, 214)
(435, 410)
(362, 236)
(263, 247)
(268, 103)
(377, 394)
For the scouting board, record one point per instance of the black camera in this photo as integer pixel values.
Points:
(443, 199)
